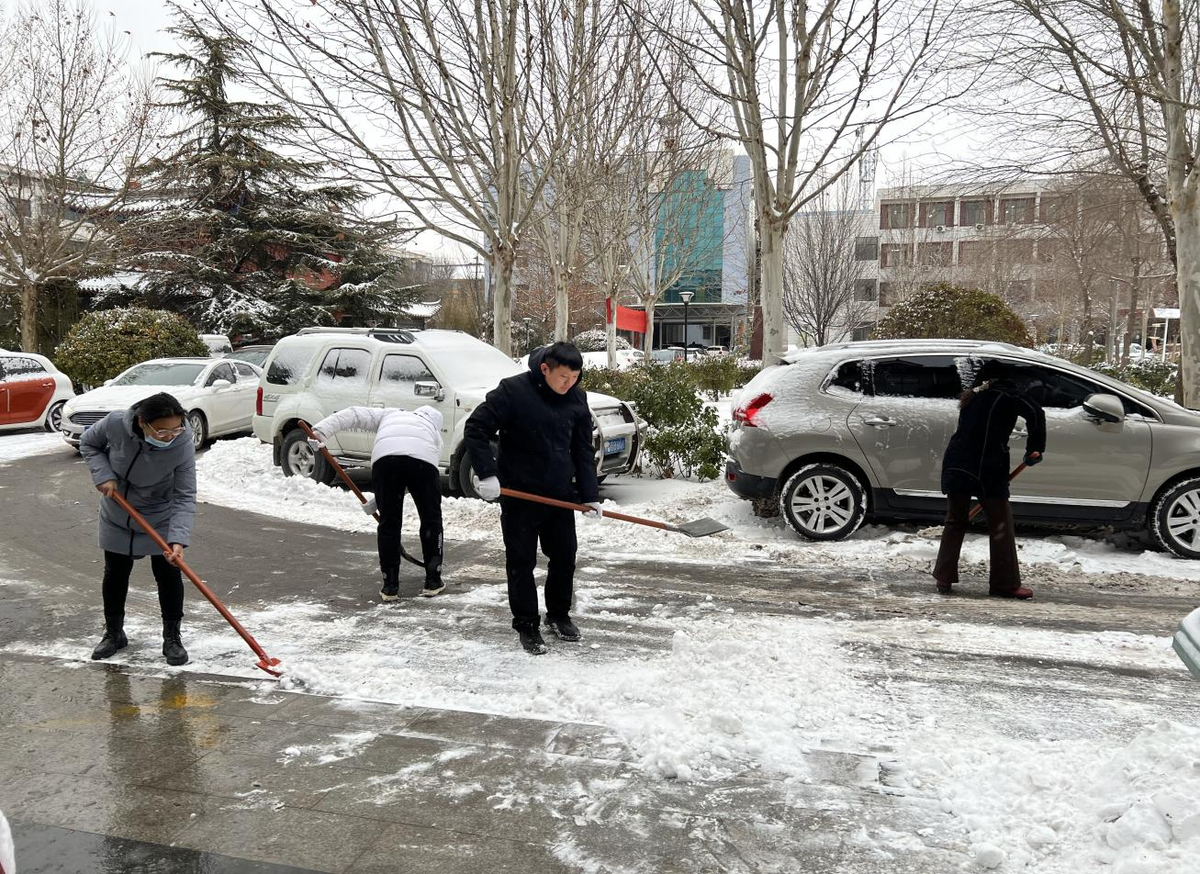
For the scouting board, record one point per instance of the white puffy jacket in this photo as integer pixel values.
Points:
(417, 434)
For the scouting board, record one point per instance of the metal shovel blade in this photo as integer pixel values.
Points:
(1187, 642)
(701, 527)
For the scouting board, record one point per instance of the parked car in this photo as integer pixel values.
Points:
(32, 391)
(218, 344)
(320, 370)
(256, 355)
(218, 395)
(842, 433)
(666, 356)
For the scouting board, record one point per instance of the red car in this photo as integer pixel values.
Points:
(32, 391)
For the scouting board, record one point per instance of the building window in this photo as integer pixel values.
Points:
(861, 333)
(1016, 251)
(972, 252)
(896, 215)
(936, 254)
(24, 208)
(894, 254)
(975, 212)
(885, 294)
(866, 290)
(1020, 289)
(1016, 210)
(1055, 209)
(866, 248)
(938, 213)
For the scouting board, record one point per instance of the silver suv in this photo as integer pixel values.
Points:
(840, 433)
(321, 370)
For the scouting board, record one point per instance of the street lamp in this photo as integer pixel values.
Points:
(686, 297)
(527, 320)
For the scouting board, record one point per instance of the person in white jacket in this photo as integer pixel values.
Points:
(404, 458)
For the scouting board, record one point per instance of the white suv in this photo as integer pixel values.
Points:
(321, 370)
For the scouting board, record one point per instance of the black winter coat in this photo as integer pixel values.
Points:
(977, 460)
(545, 438)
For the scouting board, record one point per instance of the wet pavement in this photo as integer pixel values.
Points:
(118, 768)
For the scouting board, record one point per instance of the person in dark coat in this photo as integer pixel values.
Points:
(545, 441)
(146, 455)
(977, 464)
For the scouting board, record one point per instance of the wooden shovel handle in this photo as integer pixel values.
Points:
(584, 508)
(332, 462)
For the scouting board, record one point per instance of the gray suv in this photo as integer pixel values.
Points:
(840, 433)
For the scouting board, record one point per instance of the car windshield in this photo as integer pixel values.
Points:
(253, 356)
(160, 374)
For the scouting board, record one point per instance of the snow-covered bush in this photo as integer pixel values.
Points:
(948, 312)
(1155, 376)
(719, 376)
(595, 341)
(103, 344)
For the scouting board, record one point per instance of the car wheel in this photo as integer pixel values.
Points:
(466, 473)
(199, 426)
(1175, 519)
(298, 459)
(823, 502)
(54, 416)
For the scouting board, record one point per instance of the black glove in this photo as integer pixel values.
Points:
(1032, 458)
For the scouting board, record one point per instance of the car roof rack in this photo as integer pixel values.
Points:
(386, 335)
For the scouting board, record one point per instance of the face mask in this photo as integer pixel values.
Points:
(159, 444)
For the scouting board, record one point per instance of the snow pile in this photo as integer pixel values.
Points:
(14, 447)
(1054, 807)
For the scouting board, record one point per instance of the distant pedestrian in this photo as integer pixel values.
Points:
(404, 458)
(976, 463)
(545, 447)
(146, 455)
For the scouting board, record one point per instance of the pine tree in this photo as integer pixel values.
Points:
(235, 233)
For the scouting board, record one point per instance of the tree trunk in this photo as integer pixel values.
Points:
(29, 317)
(1186, 210)
(1134, 289)
(502, 271)
(562, 306)
(1087, 328)
(610, 326)
(772, 291)
(648, 338)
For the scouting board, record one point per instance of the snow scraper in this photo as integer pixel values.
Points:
(265, 662)
(697, 528)
(1187, 642)
(341, 472)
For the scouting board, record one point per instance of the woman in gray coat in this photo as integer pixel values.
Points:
(146, 455)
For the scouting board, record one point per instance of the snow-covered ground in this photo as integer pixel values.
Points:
(21, 444)
(239, 473)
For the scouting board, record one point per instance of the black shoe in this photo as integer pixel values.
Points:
(391, 584)
(173, 649)
(562, 627)
(433, 585)
(531, 640)
(113, 640)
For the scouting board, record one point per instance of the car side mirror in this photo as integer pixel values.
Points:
(1105, 409)
(221, 383)
(428, 390)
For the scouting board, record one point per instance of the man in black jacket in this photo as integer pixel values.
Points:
(545, 430)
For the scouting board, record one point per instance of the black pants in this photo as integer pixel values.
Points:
(392, 476)
(524, 524)
(1004, 574)
(117, 568)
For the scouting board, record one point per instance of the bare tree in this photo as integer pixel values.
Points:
(73, 122)
(1118, 80)
(430, 102)
(799, 80)
(822, 293)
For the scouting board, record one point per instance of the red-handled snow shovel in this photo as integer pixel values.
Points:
(341, 472)
(978, 508)
(698, 528)
(265, 662)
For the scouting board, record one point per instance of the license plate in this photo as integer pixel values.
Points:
(614, 446)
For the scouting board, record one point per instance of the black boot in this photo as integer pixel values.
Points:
(172, 644)
(391, 584)
(114, 638)
(531, 640)
(562, 627)
(433, 584)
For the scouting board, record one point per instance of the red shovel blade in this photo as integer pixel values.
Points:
(268, 665)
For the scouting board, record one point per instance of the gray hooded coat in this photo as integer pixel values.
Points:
(159, 483)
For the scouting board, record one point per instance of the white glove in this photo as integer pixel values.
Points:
(595, 512)
(489, 489)
(370, 507)
(316, 444)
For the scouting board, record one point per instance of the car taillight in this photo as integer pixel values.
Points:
(748, 414)
(258, 402)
